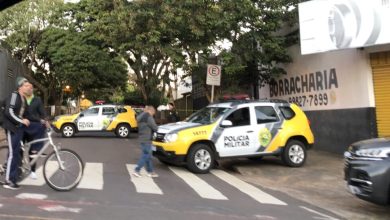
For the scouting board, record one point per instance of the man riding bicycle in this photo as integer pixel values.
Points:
(37, 116)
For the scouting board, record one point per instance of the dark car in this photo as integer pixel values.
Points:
(367, 170)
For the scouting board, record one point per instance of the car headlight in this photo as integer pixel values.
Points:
(171, 137)
(375, 153)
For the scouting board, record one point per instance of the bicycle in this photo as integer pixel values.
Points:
(62, 169)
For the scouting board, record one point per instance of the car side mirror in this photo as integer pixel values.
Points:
(226, 123)
(81, 115)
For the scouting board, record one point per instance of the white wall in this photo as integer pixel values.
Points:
(335, 80)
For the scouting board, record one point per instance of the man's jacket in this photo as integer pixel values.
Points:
(36, 112)
(13, 107)
(146, 126)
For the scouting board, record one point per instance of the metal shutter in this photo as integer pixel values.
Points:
(380, 63)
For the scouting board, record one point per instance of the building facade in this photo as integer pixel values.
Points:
(345, 93)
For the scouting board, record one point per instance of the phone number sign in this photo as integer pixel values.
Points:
(213, 75)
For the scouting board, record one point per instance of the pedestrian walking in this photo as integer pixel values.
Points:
(146, 127)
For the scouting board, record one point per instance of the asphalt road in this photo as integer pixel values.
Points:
(108, 191)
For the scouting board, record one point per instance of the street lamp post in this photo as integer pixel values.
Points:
(67, 91)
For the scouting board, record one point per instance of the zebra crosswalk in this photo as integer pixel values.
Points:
(143, 185)
(94, 173)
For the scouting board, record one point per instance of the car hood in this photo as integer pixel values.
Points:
(372, 143)
(175, 127)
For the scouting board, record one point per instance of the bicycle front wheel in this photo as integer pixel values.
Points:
(67, 178)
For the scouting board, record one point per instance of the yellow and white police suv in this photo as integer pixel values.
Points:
(249, 129)
(116, 118)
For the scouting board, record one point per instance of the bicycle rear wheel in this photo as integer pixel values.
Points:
(3, 162)
(67, 178)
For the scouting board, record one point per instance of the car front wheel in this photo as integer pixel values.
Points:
(200, 159)
(68, 130)
(294, 154)
(123, 131)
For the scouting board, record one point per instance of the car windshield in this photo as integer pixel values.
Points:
(207, 115)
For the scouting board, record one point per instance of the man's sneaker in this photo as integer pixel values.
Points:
(153, 174)
(11, 185)
(137, 174)
(33, 176)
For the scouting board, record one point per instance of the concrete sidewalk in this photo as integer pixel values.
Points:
(320, 182)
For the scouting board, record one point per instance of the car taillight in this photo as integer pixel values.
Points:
(308, 121)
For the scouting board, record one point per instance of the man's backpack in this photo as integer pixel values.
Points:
(2, 111)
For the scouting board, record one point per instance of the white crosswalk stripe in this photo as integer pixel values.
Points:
(200, 186)
(40, 181)
(93, 179)
(143, 184)
(246, 188)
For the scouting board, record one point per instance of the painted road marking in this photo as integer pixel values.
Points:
(143, 184)
(200, 186)
(29, 217)
(31, 196)
(246, 188)
(93, 177)
(59, 208)
(51, 167)
(323, 216)
(40, 181)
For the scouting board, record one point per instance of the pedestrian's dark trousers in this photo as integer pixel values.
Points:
(34, 131)
(14, 154)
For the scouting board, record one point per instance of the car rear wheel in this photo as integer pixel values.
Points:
(123, 131)
(294, 154)
(200, 159)
(68, 130)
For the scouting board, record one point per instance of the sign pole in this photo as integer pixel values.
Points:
(213, 78)
(212, 93)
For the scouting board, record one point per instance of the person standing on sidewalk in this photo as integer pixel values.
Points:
(172, 114)
(146, 127)
(15, 122)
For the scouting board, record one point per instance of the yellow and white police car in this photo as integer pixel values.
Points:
(236, 129)
(120, 119)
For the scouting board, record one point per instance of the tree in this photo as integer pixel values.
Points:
(155, 37)
(22, 25)
(60, 56)
(257, 47)
(83, 66)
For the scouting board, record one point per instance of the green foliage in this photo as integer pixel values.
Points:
(257, 53)
(90, 45)
(44, 38)
(78, 63)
